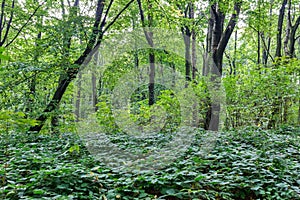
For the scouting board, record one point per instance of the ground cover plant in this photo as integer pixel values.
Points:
(226, 71)
(249, 163)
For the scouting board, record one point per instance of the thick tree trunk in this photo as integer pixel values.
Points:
(187, 41)
(293, 38)
(218, 42)
(279, 28)
(187, 33)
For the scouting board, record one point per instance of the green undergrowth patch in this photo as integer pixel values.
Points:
(250, 163)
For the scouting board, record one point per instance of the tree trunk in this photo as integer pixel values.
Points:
(78, 98)
(293, 38)
(187, 41)
(149, 38)
(279, 28)
(94, 86)
(194, 53)
(217, 40)
(151, 85)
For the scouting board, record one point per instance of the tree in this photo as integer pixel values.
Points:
(217, 40)
(100, 27)
(149, 36)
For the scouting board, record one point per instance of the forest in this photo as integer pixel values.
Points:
(150, 99)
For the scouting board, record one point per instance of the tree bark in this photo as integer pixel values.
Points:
(279, 28)
(293, 38)
(218, 42)
(194, 53)
(78, 98)
(149, 38)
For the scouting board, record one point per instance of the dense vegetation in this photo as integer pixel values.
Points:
(249, 163)
(212, 84)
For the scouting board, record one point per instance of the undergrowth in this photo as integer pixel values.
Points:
(244, 164)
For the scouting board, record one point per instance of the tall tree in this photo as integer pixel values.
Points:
(279, 28)
(147, 25)
(291, 29)
(217, 40)
(187, 33)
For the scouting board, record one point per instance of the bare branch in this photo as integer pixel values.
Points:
(267, 49)
(105, 16)
(93, 37)
(118, 15)
(147, 34)
(9, 23)
(2, 18)
(24, 25)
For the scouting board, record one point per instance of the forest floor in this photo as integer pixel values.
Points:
(249, 163)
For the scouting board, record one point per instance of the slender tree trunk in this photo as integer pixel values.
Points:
(288, 30)
(258, 47)
(94, 85)
(266, 51)
(32, 81)
(66, 49)
(187, 41)
(149, 37)
(186, 32)
(194, 53)
(78, 98)
(151, 85)
(235, 52)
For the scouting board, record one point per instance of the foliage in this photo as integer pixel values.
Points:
(255, 157)
(10, 121)
(253, 97)
(250, 163)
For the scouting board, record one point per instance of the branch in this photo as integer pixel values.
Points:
(293, 36)
(105, 16)
(266, 48)
(141, 13)
(20, 30)
(229, 29)
(92, 44)
(63, 12)
(92, 39)
(297, 23)
(229, 61)
(148, 37)
(1, 18)
(117, 16)
(9, 23)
